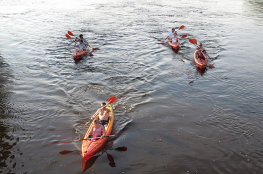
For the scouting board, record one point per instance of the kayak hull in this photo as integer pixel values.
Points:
(174, 45)
(201, 63)
(79, 54)
(89, 147)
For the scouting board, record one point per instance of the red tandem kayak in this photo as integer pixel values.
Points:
(90, 148)
(79, 54)
(174, 45)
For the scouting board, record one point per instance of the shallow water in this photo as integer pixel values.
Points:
(178, 119)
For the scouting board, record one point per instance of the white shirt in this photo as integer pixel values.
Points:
(171, 34)
(174, 39)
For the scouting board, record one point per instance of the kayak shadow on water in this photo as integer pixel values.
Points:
(201, 71)
(175, 50)
(89, 163)
(78, 60)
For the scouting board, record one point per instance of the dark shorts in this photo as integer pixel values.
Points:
(104, 122)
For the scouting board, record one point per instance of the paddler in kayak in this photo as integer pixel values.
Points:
(201, 52)
(175, 40)
(170, 34)
(97, 130)
(80, 46)
(103, 114)
(83, 40)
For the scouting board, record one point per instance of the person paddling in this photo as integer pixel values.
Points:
(170, 35)
(175, 38)
(80, 46)
(83, 40)
(201, 52)
(97, 130)
(103, 114)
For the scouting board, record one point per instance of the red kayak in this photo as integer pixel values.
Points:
(79, 54)
(174, 45)
(201, 63)
(91, 147)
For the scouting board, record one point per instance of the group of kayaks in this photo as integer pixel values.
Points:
(90, 146)
(200, 62)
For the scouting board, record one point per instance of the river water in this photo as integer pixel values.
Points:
(179, 119)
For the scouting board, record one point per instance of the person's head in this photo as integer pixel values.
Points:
(96, 122)
(172, 29)
(81, 41)
(103, 104)
(81, 36)
(200, 44)
(175, 34)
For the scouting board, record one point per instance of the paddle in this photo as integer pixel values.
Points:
(194, 41)
(70, 33)
(123, 148)
(92, 138)
(183, 36)
(111, 160)
(64, 152)
(68, 36)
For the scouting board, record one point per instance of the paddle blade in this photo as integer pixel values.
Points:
(90, 54)
(211, 66)
(64, 152)
(161, 43)
(67, 36)
(123, 148)
(70, 33)
(112, 164)
(94, 48)
(67, 141)
(71, 141)
(193, 41)
(111, 159)
(183, 36)
(181, 27)
(112, 99)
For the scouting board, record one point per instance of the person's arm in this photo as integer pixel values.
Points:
(196, 53)
(86, 42)
(93, 116)
(108, 110)
(90, 132)
(84, 47)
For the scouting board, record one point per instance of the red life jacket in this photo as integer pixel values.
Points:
(200, 54)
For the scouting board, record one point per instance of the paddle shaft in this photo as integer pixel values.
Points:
(92, 138)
